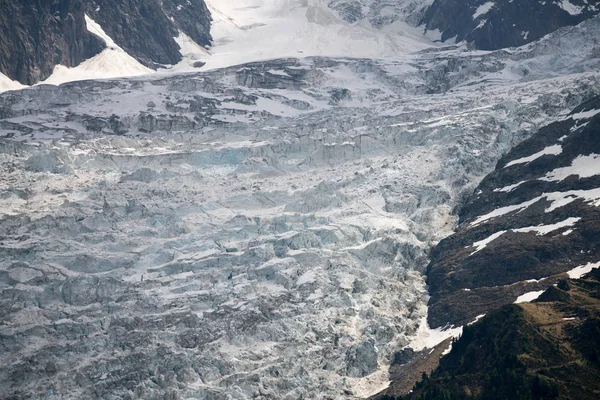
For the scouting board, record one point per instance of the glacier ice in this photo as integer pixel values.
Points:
(256, 231)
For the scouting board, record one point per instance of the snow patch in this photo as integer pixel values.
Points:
(585, 114)
(510, 188)
(570, 7)
(582, 166)
(477, 318)
(550, 150)
(483, 9)
(540, 229)
(8, 84)
(528, 297)
(545, 229)
(427, 338)
(578, 272)
(95, 28)
(558, 199)
(482, 244)
(504, 210)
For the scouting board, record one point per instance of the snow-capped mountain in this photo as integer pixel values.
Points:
(62, 41)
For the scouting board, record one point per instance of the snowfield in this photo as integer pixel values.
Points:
(255, 231)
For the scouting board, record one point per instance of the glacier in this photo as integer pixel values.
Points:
(251, 231)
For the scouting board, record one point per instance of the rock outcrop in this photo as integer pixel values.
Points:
(145, 29)
(37, 36)
(529, 222)
(491, 25)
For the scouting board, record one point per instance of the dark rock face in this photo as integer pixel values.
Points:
(36, 36)
(504, 23)
(191, 17)
(145, 29)
(504, 216)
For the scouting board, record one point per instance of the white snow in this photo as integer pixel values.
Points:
(189, 48)
(253, 30)
(482, 244)
(578, 272)
(560, 199)
(93, 27)
(277, 72)
(528, 297)
(483, 9)
(550, 150)
(477, 318)
(545, 229)
(449, 349)
(504, 210)
(540, 229)
(570, 7)
(585, 114)
(8, 84)
(557, 199)
(582, 166)
(112, 62)
(427, 338)
(510, 188)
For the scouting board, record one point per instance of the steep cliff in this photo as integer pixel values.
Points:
(36, 36)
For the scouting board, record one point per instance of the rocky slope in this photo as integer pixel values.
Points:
(146, 29)
(35, 37)
(529, 222)
(547, 349)
(490, 25)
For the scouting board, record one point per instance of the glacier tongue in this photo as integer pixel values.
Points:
(257, 231)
